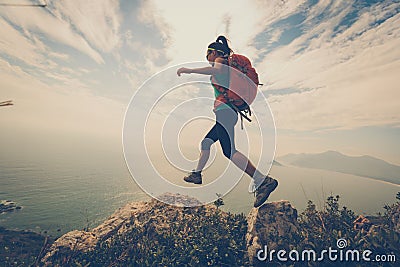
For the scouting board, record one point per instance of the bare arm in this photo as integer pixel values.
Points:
(218, 68)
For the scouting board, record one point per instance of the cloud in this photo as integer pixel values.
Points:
(44, 21)
(190, 26)
(55, 108)
(331, 65)
(34, 56)
(17, 46)
(353, 70)
(149, 13)
(272, 11)
(98, 21)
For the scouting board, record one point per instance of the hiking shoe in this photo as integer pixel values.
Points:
(264, 190)
(193, 177)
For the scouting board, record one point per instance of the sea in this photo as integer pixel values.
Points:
(66, 193)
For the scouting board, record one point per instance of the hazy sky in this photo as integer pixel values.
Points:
(330, 68)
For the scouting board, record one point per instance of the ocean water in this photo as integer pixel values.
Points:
(67, 193)
(298, 185)
(58, 195)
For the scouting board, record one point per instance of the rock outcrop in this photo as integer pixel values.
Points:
(7, 206)
(154, 216)
(270, 225)
(81, 240)
(206, 234)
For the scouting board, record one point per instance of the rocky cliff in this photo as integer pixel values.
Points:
(270, 225)
(153, 214)
(154, 220)
(272, 221)
(154, 233)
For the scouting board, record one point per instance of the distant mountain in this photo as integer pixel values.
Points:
(366, 166)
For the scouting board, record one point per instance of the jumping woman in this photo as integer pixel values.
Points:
(218, 53)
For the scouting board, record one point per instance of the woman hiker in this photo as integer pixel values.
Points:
(226, 119)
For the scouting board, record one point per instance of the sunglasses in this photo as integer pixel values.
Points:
(209, 51)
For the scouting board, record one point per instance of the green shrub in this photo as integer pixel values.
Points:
(198, 239)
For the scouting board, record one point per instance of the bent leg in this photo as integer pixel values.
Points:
(204, 154)
(226, 121)
(243, 163)
(206, 143)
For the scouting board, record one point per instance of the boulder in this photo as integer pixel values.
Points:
(155, 216)
(270, 225)
(8, 206)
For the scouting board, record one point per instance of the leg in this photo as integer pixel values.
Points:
(243, 163)
(204, 156)
(195, 176)
(225, 128)
(227, 119)
(262, 184)
(210, 138)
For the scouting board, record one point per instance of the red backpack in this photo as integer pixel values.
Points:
(242, 85)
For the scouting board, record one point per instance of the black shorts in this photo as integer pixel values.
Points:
(224, 131)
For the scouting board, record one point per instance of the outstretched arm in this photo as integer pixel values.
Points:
(218, 68)
(205, 71)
